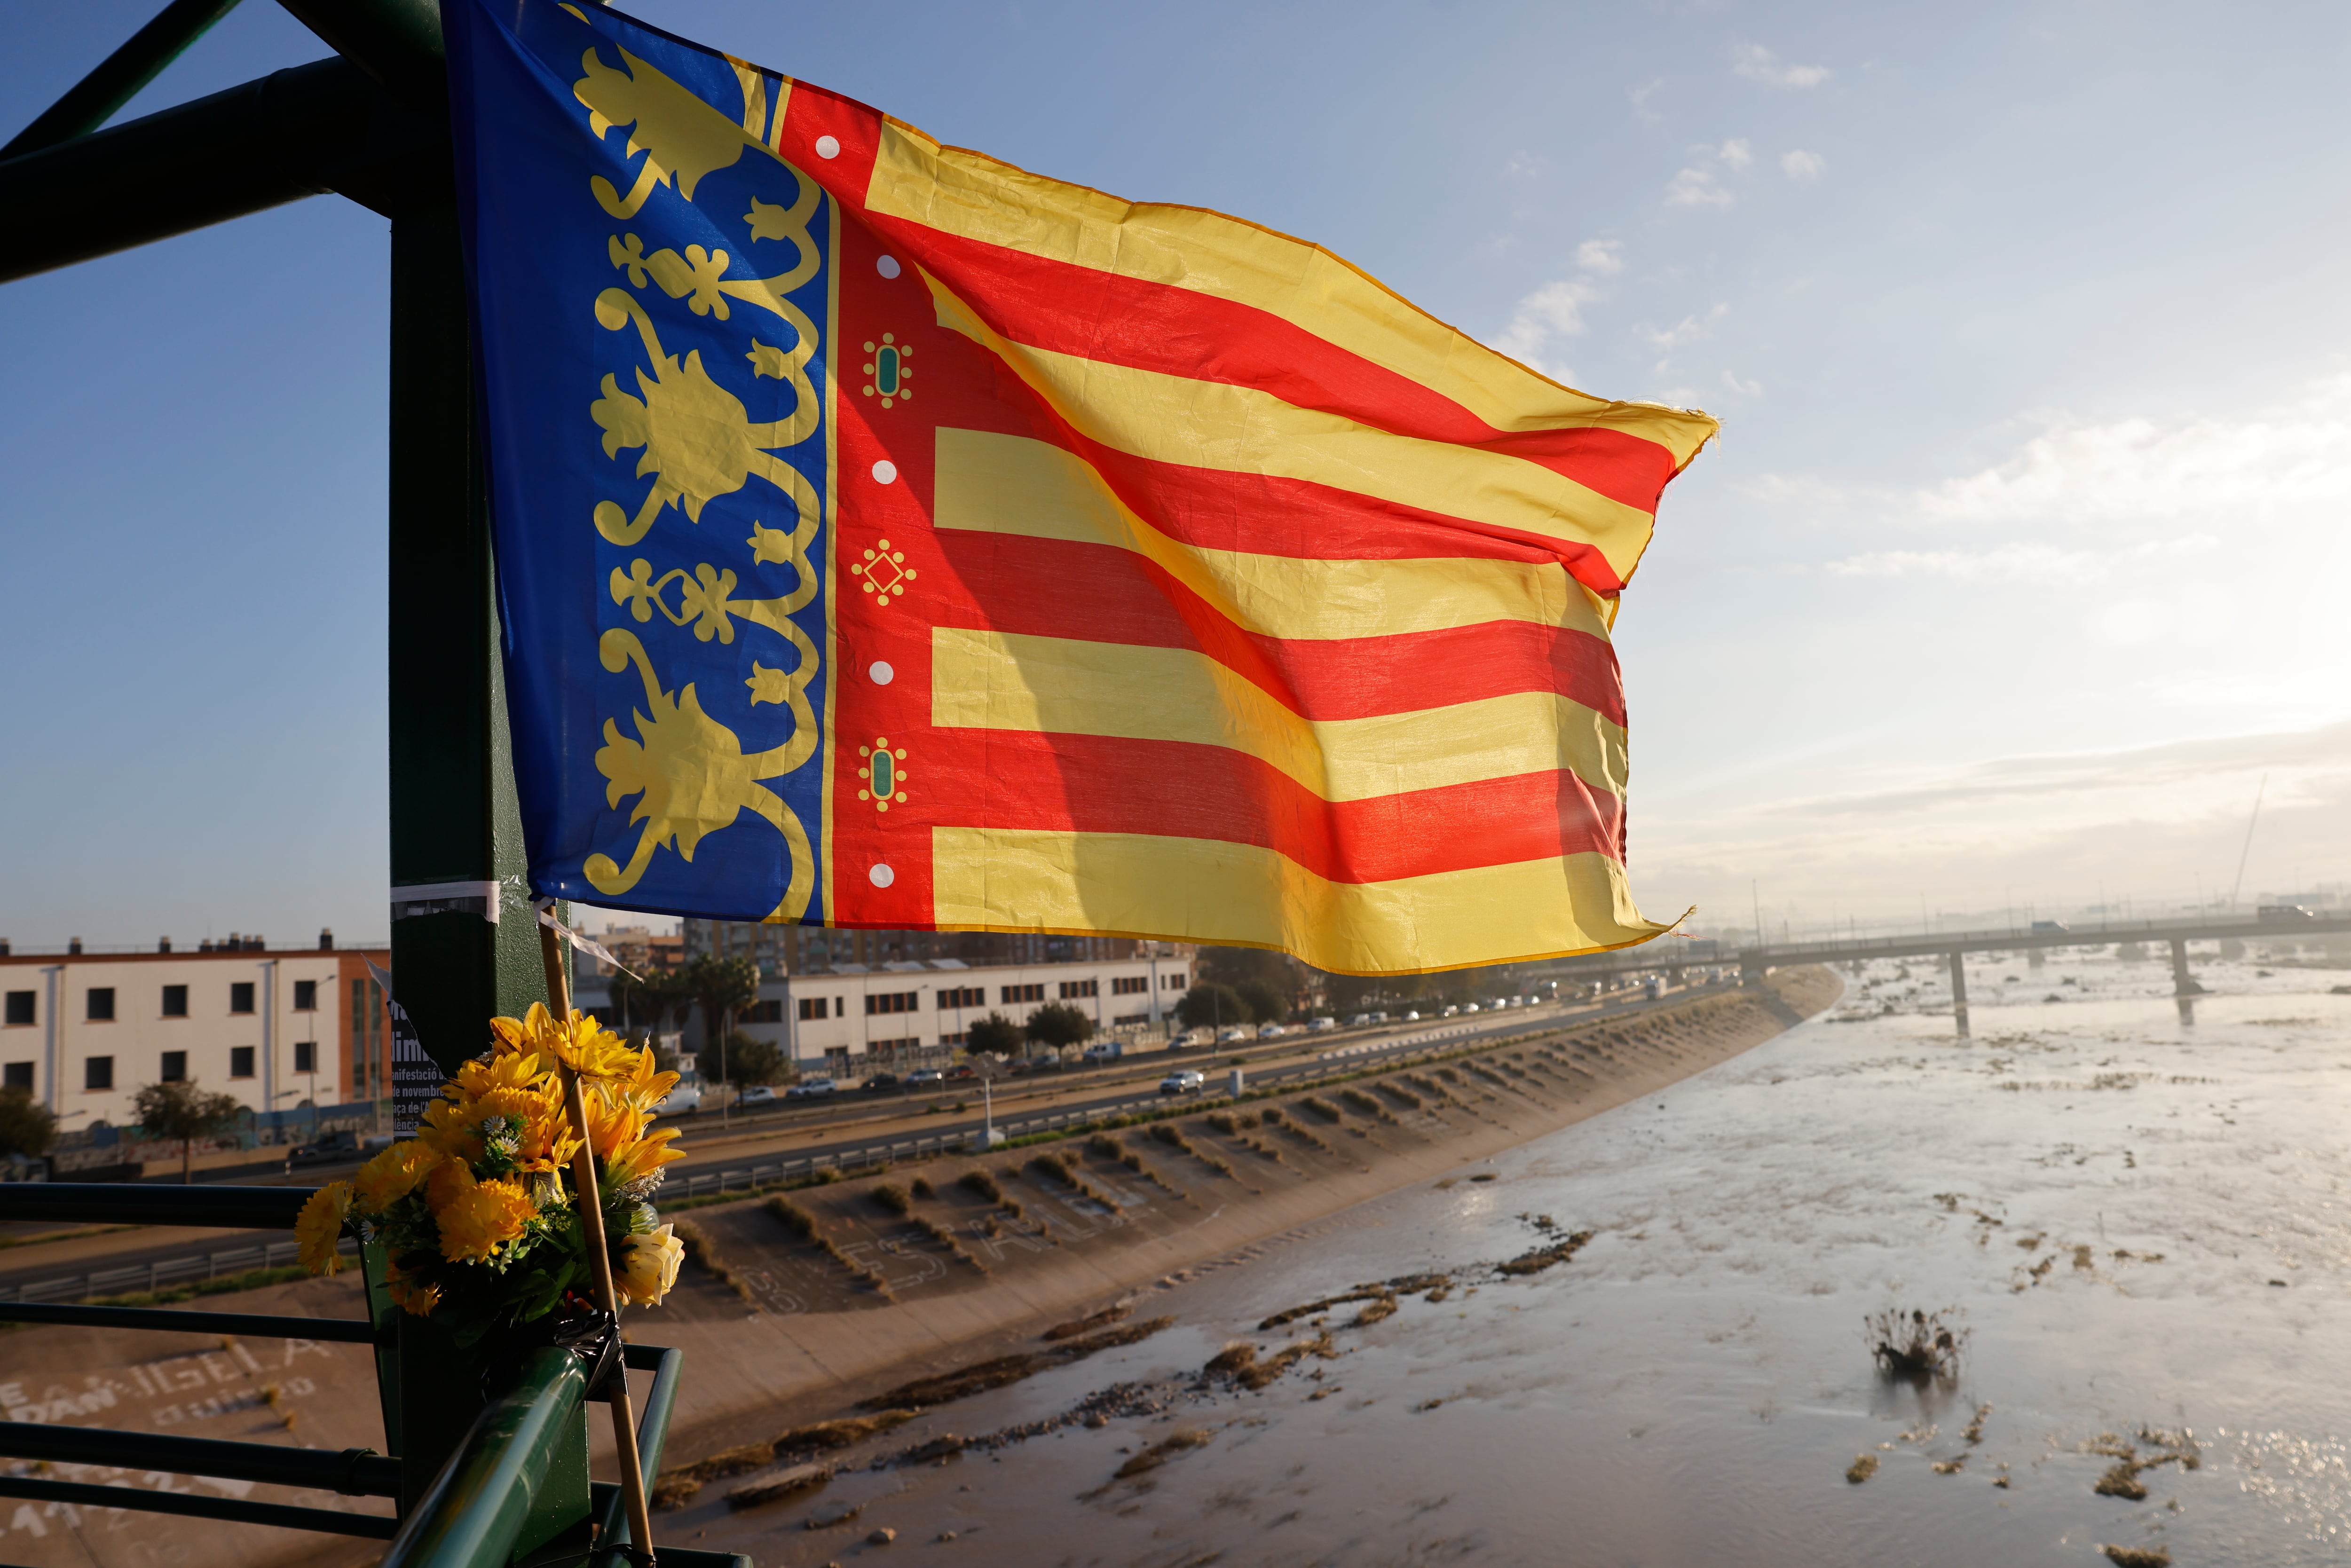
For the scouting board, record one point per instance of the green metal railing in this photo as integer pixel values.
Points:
(513, 1485)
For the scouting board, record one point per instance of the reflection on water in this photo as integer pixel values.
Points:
(2136, 1221)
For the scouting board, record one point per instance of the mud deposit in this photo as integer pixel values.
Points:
(2137, 1224)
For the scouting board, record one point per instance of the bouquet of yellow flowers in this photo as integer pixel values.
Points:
(476, 1212)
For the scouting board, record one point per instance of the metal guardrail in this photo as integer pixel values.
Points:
(158, 1273)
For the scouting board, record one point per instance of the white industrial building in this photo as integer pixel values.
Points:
(914, 1014)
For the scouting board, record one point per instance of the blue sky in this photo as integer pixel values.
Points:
(2017, 569)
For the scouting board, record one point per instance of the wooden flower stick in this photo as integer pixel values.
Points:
(600, 1260)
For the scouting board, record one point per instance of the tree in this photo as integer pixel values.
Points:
(183, 1111)
(649, 1003)
(722, 986)
(1211, 1006)
(994, 1035)
(1266, 1005)
(1057, 1025)
(27, 1127)
(750, 1061)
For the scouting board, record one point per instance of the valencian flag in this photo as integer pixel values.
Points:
(889, 536)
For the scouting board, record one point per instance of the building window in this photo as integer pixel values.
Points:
(957, 1037)
(306, 996)
(764, 1012)
(176, 1001)
(812, 1008)
(306, 1056)
(175, 1065)
(1174, 982)
(20, 1007)
(240, 1061)
(97, 1072)
(20, 1076)
(1125, 1018)
(240, 997)
(1074, 988)
(913, 1042)
(891, 1001)
(1023, 994)
(963, 997)
(841, 1007)
(1128, 985)
(836, 1058)
(100, 1005)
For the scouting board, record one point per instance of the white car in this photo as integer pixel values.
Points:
(925, 1077)
(1319, 1025)
(1270, 1031)
(806, 1089)
(1470, 1007)
(1358, 1020)
(683, 1101)
(1231, 1035)
(1184, 1082)
(1412, 1017)
(1379, 1018)
(1450, 1012)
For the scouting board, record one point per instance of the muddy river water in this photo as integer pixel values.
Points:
(2138, 1223)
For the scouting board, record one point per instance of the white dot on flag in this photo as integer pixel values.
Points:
(826, 147)
(887, 266)
(885, 472)
(880, 876)
(880, 674)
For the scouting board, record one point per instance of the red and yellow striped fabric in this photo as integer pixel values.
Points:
(1236, 600)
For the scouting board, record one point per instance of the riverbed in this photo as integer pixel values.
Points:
(2134, 1222)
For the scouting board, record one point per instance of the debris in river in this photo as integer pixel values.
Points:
(1087, 1325)
(2121, 1480)
(981, 1376)
(1543, 1257)
(2138, 1556)
(794, 1482)
(1159, 1453)
(1864, 1466)
(1915, 1346)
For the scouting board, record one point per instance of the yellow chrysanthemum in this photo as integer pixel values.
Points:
(407, 1295)
(394, 1174)
(450, 1180)
(449, 1132)
(515, 1071)
(642, 1158)
(579, 1042)
(649, 1268)
(481, 1218)
(320, 1227)
(641, 1087)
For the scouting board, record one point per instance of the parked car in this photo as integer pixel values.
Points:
(1450, 1011)
(338, 1147)
(927, 1077)
(1412, 1017)
(1469, 1007)
(1231, 1034)
(1185, 1082)
(806, 1089)
(683, 1101)
(1318, 1025)
(881, 1082)
(1270, 1031)
(960, 1071)
(1358, 1020)
(1108, 1051)
(1379, 1018)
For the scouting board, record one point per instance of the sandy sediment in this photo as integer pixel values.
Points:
(816, 1313)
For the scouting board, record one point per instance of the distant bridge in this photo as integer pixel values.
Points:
(1671, 955)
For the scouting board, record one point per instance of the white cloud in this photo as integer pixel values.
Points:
(1641, 96)
(1555, 311)
(1688, 330)
(2021, 562)
(1699, 184)
(1757, 63)
(1803, 167)
(2135, 469)
(1525, 165)
(1744, 389)
(1605, 257)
